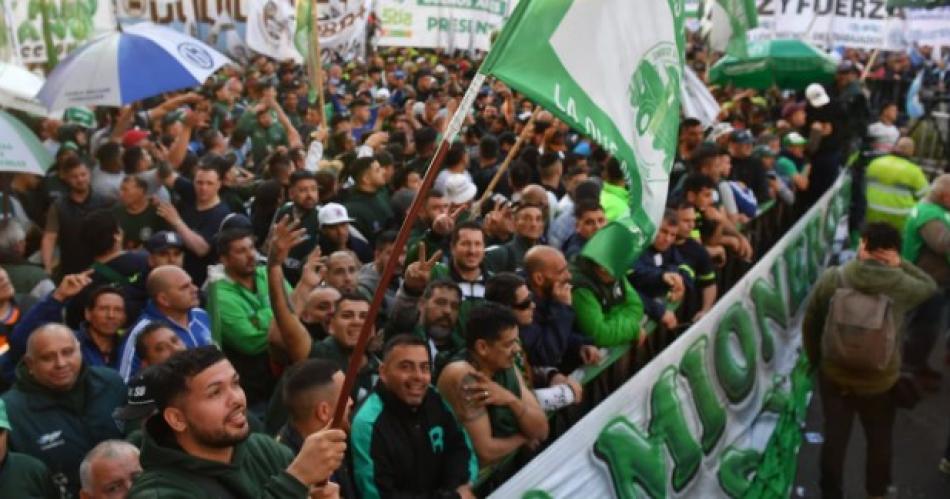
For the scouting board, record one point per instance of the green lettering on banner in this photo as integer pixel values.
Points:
(769, 304)
(633, 459)
(735, 470)
(536, 494)
(736, 376)
(712, 415)
(795, 271)
(668, 422)
(776, 399)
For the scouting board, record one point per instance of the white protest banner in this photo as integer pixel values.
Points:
(270, 29)
(831, 23)
(928, 26)
(718, 412)
(447, 24)
(342, 28)
(70, 23)
(219, 23)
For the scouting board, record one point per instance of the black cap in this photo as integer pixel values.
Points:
(236, 221)
(162, 240)
(139, 402)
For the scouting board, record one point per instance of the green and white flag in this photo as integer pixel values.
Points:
(610, 69)
(725, 22)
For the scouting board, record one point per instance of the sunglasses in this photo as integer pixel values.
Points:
(524, 304)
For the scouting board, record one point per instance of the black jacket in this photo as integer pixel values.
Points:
(410, 452)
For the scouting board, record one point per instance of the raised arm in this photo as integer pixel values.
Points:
(293, 334)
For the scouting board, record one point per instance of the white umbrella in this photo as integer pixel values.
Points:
(20, 150)
(120, 68)
(18, 87)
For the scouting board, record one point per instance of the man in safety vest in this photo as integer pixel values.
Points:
(894, 185)
(927, 244)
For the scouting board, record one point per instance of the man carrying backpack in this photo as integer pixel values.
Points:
(851, 334)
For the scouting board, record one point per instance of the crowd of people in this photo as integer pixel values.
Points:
(182, 292)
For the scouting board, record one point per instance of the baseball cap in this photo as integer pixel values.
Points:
(236, 221)
(382, 94)
(582, 149)
(816, 95)
(4, 419)
(80, 116)
(459, 189)
(763, 152)
(133, 137)
(742, 137)
(162, 240)
(720, 129)
(333, 214)
(139, 401)
(883, 137)
(794, 139)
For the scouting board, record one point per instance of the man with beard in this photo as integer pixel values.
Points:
(486, 390)
(336, 233)
(529, 229)
(302, 208)
(406, 440)
(240, 312)
(200, 443)
(310, 393)
(435, 320)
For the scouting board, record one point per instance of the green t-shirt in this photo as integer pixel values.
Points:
(264, 140)
(136, 229)
(785, 167)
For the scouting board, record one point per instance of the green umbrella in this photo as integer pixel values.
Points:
(20, 150)
(788, 64)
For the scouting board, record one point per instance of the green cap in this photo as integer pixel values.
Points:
(613, 248)
(4, 420)
(794, 139)
(80, 116)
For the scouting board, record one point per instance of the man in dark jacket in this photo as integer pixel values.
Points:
(551, 340)
(60, 407)
(21, 475)
(406, 440)
(661, 273)
(199, 443)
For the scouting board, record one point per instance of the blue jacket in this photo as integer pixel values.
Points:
(550, 340)
(647, 278)
(49, 310)
(198, 334)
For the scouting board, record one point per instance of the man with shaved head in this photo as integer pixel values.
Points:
(173, 300)
(551, 340)
(61, 408)
(318, 311)
(342, 270)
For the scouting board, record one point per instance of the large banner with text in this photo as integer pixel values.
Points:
(716, 414)
(447, 24)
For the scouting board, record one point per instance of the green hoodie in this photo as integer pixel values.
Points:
(608, 314)
(59, 428)
(257, 469)
(907, 286)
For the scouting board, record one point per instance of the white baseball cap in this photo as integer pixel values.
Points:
(816, 95)
(333, 214)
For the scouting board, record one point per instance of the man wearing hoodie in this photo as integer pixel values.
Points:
(845, 391)
(199, 443)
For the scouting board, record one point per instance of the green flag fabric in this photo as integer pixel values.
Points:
(724, 24)
(611, 69)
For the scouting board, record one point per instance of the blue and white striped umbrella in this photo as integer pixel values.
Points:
(141, 61)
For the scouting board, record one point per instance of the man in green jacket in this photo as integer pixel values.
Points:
(606, 307)
(200, 445)
(21, 475)
(61, 408)
(927, 245)
(240, 312)
(845, 391)
(614, 196)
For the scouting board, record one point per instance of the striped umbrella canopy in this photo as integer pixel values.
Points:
(20, 149)
(120, 68)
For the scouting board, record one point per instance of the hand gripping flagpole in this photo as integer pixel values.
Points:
(401, 239)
